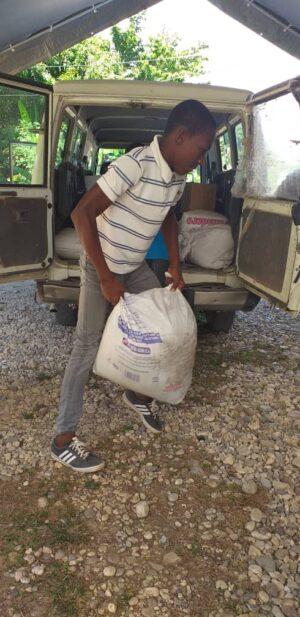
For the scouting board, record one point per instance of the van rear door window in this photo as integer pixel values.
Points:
(274, 165)
(22, 136)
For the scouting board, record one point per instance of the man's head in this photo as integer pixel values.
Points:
(189, 133)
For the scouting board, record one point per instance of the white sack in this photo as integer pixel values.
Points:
(205, 239)
(67, 244)
(149, 344)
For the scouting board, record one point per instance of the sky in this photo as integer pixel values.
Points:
(237, 56)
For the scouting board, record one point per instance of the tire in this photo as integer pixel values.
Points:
(219, 321)
(66, 315)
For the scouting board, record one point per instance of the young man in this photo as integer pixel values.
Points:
(116, 220)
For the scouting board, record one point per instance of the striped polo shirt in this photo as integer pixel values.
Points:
(142, 189)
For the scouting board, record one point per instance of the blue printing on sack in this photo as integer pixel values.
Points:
(137, 336)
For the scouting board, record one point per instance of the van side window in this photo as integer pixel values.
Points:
(239, 139)
(195, 175)
(107, 155)
(62, 141)
(225, 152)
(76, 144)
(22, 136)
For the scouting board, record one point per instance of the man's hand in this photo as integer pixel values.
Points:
(112, 289)
(175, 277)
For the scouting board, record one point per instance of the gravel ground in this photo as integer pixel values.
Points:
(201, 521)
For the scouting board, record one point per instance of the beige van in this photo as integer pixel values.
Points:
(53, 144)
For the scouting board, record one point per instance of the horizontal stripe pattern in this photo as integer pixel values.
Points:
(142, 189)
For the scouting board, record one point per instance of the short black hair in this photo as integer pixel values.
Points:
(193, 115)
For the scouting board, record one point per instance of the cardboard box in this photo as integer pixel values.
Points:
(199, 196)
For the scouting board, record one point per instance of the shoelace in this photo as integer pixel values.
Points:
(154, 408)
(79, 448)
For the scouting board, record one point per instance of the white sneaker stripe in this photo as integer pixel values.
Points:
(66, 456)
(71, 459)
(63, 454)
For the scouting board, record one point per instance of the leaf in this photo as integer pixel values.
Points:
(24, 115)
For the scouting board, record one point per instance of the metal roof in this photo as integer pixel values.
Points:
(33, 30)
(278, 21)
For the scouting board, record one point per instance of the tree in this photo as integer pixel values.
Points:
(123, 56)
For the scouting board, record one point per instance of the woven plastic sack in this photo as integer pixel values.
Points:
(149, 344)
(205, 239)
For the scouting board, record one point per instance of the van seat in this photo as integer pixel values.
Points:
(90, 181)
(67, 244)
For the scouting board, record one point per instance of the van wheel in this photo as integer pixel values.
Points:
(219, 321)
(66, 315)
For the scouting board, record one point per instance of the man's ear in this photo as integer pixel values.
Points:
(180, 135)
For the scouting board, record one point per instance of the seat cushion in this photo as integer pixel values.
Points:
(67, 244)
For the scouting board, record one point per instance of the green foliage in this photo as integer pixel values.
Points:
(20, 122)
(124, 56)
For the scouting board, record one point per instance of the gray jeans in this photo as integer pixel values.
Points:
(92, 313)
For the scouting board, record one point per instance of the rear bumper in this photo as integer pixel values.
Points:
(220, 298)
(58, 292)
(206, 297)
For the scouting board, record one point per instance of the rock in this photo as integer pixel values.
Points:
(289, 610)
(172, 497)
(112, 608)
(249, 487)
(277, 612)
(266, 562)
(263, 597)
(272, 590)
(109, 571)
(142, 509)
(255, 569)
(25, 580)
(296, 462)
(148, 612)
(256, 515)
(148, 535)
(59, 555)
(38, 570)
(196, 468)
(18, 574)
(42, 502)
(171, 558)
(221, 585)
(151, 592)
(228, 460)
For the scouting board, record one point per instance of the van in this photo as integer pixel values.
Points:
(55, 140)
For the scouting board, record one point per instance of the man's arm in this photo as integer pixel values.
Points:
(169, 231)
(93, 203)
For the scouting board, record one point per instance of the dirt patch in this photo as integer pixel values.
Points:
(203, 527)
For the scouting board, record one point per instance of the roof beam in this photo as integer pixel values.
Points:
(67, 33)
(274, 28)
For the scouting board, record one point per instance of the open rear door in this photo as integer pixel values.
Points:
(268, 256)
(26, 211)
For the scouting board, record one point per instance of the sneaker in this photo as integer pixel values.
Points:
(146, 411)
(76, 456)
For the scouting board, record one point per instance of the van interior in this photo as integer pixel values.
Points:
(92, 136)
